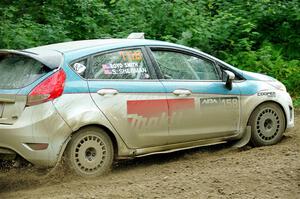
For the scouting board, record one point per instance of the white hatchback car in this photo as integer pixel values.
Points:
(99, 100)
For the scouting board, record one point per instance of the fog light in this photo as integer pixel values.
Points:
(291, 113)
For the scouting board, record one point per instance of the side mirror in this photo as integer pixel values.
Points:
(229, 77)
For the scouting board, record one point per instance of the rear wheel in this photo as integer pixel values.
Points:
(267, 124)
(90, 152)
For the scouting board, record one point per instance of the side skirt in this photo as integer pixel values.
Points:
(179, 146)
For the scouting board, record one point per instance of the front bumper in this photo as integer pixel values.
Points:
(40, 124)
(286, 101)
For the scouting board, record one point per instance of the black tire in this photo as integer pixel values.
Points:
(90, 152)
(267, 124)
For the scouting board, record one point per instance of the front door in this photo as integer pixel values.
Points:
(200, 107)
(125, 89)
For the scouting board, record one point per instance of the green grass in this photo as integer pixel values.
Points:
(296, 102)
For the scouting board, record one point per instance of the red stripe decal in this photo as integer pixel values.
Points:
(154, 108)
(147, 108)
(180, 104)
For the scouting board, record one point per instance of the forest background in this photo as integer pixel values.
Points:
(255, 35)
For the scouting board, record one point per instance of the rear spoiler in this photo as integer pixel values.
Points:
(50, 58)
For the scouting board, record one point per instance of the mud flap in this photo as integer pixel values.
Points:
(245, 139)
(59, 166)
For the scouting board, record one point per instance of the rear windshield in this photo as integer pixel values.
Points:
(17, 71)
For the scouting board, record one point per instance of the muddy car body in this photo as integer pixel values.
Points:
(98, 100)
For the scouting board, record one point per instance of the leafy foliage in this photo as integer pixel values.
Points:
(297, 102)
(255, 35)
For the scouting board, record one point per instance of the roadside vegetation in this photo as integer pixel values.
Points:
(297, 102)
(255, 35)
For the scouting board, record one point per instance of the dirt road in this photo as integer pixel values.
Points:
(210, 172)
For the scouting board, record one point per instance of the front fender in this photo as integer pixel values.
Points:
(266, 93)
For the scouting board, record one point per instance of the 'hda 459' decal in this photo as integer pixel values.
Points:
(225, 101)
(142, 113)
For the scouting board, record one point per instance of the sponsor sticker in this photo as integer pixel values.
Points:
(79, 68)
(146, 113)
(131, 55)
(267, 94)
(123, 68)
(226, 101)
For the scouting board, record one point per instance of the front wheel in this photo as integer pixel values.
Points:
(90, 152)
(267, 124)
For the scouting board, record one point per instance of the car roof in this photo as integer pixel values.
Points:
(70, 46)
(52, 55)
(73, 50)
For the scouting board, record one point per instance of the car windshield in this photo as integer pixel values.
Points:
(17, 71)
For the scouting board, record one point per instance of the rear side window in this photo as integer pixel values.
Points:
(124, 64)
(17, 71)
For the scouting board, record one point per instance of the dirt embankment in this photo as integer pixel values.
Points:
(209, 172)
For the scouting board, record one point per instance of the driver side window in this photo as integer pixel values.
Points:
(179, 66)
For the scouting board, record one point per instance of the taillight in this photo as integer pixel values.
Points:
(47, 90)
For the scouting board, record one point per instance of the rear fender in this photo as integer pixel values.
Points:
(78, 111)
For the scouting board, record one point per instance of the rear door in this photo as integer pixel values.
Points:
(126, 90)
(200, 107)
(17, 72)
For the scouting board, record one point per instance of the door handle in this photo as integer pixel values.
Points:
(182, 92)
(107, 91)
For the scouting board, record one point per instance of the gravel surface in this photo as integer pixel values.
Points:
(207, 172)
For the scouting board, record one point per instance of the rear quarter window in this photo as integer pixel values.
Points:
(18, 71)
(79, 67)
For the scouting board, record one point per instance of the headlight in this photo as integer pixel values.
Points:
(278, 85)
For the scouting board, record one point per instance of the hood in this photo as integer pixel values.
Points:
(257, 76)
(260, 77)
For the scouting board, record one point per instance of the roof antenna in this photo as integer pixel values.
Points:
(136, 35)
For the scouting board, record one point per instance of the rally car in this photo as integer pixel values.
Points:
(96, 101)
